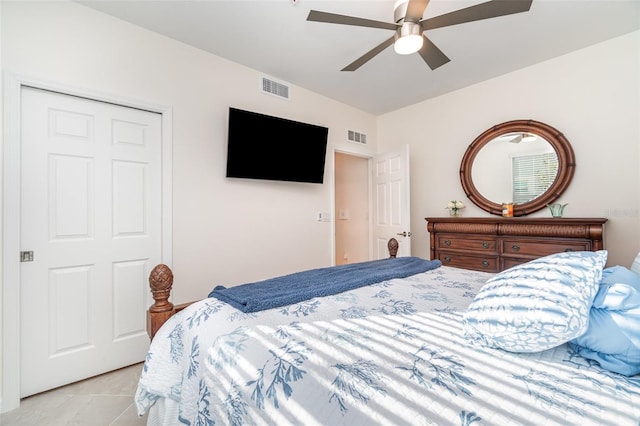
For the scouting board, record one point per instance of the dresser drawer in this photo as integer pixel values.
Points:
(465, 261)
(539, 248)
(493, 244)
(510, 262)
(467, 243)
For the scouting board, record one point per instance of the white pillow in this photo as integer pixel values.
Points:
(536, 305)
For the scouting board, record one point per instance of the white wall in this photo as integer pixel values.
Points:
(592, 96)
(220, 225)
(224, 231)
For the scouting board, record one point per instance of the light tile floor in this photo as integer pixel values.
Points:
(102, 400)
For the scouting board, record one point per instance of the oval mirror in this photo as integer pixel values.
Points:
(525, 162)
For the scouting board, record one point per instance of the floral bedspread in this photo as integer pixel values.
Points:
(391, 353)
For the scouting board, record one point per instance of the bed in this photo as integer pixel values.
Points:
(397, 351)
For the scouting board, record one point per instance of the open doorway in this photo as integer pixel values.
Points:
(351, 208)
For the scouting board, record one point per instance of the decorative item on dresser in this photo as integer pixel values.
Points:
(455, 207)
(494, 244)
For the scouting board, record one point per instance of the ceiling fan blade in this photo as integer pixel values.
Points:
(367, 56)
(333, 18)
(490, 9)
(517, 139)
(415, 10)
(431, 54)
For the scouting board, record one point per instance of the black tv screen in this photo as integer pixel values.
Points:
(264, 147)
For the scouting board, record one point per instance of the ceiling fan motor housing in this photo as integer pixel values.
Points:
(409, 28)
(400, 10)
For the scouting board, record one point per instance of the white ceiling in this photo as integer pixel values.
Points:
(273, 37)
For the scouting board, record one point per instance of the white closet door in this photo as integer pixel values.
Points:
(90, 233)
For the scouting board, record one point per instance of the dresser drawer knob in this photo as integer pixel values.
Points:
(485, 245)
(485, 263)
(447, 259)
(515, 247)
(447, 242)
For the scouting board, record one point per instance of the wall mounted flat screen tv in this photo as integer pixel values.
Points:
(271, 148)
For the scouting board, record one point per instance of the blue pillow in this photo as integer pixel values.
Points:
(613, 336)
(537, 305)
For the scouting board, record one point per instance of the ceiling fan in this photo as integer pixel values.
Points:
(409, 26)
(520, 137)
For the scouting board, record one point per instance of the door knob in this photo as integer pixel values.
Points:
(405, 234)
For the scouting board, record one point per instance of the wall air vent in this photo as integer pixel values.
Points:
(274, 88)
(357, 137)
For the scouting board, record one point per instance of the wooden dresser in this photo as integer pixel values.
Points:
(495, 244)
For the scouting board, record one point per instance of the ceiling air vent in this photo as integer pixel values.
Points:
(356, 137)
(275, 88)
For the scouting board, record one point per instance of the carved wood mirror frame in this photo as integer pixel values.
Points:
(562, 147)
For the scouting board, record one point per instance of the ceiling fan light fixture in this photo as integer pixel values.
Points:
(408, 39)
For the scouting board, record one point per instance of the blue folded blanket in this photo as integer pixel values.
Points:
(300, 286)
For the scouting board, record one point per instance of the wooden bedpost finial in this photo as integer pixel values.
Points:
(161, 281)
(392, 245)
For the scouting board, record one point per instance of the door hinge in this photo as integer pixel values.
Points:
(26, 256)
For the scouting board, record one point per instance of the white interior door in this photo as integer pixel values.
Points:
(391, 206)
(90, 233)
